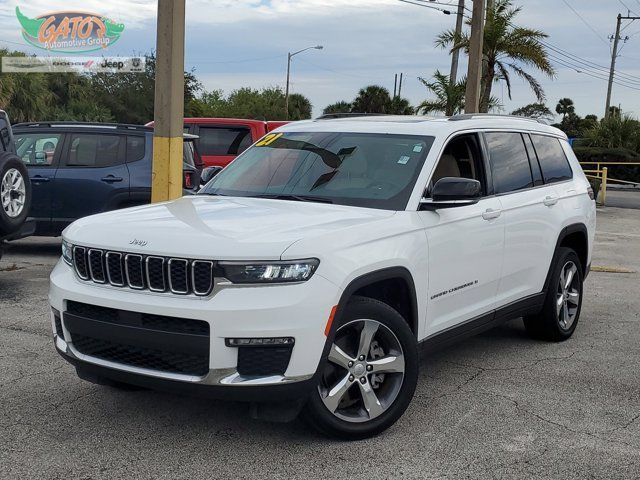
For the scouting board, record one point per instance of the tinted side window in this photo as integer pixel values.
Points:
(223, 140)
(553, 161)
(509, 162)
(92, 150)
(533, 161)
(135, 148)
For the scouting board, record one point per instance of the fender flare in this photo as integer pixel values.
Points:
(374, 277)
(564, 233)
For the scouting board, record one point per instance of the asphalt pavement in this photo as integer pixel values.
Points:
(495, 406)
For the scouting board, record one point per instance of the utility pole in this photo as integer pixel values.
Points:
(455, 56)
(474, 73)
(169, 102)
(612, 71)
(614, 56)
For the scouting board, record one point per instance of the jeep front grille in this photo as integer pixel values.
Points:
(144, 272)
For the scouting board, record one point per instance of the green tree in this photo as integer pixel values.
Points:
(615, 132)
(400, 106)
(565, 107)
(507, 48)
(372, 99)
(539, 111)
(300, 107)
(338, 107)
(449, 98)
(24, 96)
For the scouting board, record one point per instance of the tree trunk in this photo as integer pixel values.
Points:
(487, 84)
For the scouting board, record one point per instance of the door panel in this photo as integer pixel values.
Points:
(92, 178)
(40, 151)
(530, 215)
(465, 262)
(465, 244)
(530, 239)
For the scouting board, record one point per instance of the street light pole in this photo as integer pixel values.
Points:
(286, 94)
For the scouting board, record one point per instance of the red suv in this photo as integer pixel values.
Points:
(223, 139)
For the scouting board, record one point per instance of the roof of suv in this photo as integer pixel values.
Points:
(421, 125)
(84, 125)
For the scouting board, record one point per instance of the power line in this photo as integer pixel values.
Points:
(598, 34)
(586, 63)
(595, 75)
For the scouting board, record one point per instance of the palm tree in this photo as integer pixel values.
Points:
(507, 49)
(449, 97)
(338, 107)
(372, 99)
(565, 107)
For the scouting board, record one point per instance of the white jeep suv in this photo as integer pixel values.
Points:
(312, 269)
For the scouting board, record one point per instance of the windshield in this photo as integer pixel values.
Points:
(359, 169)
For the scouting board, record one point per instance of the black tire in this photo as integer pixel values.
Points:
(548, 324)
(8, 223)
(366, 309)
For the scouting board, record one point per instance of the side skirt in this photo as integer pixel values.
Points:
(530, 305)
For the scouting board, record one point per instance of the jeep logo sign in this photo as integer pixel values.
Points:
(69, 32)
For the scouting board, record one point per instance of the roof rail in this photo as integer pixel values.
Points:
(329, 116)
(470, 116)
(123, 126)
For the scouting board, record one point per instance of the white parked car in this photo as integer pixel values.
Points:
(313, 268)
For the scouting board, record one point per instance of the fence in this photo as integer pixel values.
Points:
(601, 173)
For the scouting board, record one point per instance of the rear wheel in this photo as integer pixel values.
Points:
(15, 193)
(561, 311)
(371, 373)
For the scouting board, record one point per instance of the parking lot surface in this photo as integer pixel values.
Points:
(495, 406)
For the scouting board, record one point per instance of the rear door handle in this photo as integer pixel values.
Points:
(550, 200)
(39, 179)
(111, 179)
(490, 214)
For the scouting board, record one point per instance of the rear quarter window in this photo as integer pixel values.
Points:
(553, 162)
(223, 140)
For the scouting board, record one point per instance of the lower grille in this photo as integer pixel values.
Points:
(152, 359)
(154, 342)
(263, 360)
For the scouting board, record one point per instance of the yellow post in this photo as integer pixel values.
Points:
(169, 102)
(603, 186)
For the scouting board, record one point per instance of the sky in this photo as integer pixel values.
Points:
(244, 43)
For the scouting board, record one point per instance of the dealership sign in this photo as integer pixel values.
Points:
(69, 32)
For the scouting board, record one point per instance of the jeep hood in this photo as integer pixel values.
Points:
(221, 228)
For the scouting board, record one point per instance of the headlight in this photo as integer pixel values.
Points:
(270, 272)
(67, 252)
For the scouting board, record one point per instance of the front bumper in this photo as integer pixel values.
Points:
(296, 310)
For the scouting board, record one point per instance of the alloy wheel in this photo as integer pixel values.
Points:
(568, 295)
(364, 373)
(13, 193)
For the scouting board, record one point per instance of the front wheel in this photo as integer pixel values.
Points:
(370, 375)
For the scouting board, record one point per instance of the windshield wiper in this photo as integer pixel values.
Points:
(297, 198)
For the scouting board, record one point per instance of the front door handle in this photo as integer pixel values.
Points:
(111, 179)
(39, 179)
(490, 214)
(550, 200)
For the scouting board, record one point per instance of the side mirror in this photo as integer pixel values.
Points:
(40, 158)
(449, 192)
(208, 173)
